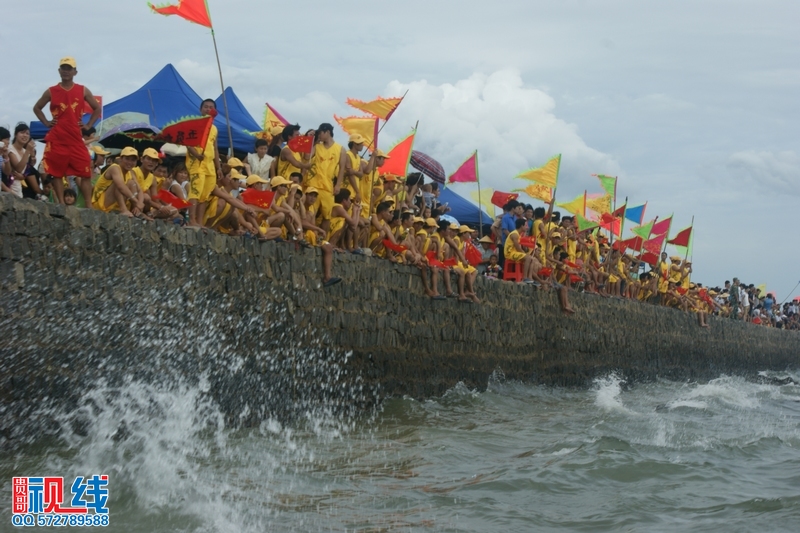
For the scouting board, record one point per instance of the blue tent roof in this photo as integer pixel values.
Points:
(241, 121)
(463, 210)
(167, 97)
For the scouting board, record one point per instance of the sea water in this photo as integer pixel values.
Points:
(722, 455)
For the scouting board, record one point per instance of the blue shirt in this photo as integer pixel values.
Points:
(768, 303)
(508, 224)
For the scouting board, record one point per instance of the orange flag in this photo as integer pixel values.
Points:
(192, 10)
(381, 107)
(398, 157)
(188, 131)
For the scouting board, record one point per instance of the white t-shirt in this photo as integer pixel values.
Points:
(744, 299)
(260, 166)
(16, 185)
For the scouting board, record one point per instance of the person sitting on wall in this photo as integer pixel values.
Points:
(116, 188)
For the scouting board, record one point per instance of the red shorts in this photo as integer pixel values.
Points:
(60, 161)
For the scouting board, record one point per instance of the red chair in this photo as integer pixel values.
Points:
(512, 271)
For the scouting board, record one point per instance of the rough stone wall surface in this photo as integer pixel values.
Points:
(87, 296)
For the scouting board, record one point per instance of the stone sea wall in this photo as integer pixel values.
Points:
(88, 298)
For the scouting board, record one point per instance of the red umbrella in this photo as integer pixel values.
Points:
(428, 166)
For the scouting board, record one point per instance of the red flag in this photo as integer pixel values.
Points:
(615, 226)
(650, 258)
(87, 109)
(467, 172)
(473, 255)
(190, 131)
(169, 198)
(301, 144)
(258, 198)
(450, 262)
(634, 243)
(682, 238)
(399, 248)
(654, 245)
(432, 261)
(192, 10)
(545, 272)
(574, 278)
(500, 198)
(620, 212)
(661, 227)
(620, 245)
(528, 242)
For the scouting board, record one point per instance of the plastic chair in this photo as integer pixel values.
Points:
(512, 271)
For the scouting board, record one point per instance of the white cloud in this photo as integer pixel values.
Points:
(512, 126)
(776, 172)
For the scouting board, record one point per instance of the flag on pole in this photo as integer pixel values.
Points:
(636, 214)
(484, 199)
(272, 118)
(576, 206)
(584, 224)
(655, 244)
(600, 205)
(380, 107)
(192, 10)
(367, 127)
(398, 157)
(546, 175)
(538, 191)
(645, 230)
(467, 172)
(188, 131)
(609, 184)
(662, 226)
(682, 238)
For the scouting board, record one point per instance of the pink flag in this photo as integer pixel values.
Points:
(661, 227)
(467, 172)
(654, 245)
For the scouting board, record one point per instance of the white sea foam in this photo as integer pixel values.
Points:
(608, 393)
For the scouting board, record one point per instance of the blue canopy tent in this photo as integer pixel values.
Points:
(166, 98)
(241, 121)
(463, 210)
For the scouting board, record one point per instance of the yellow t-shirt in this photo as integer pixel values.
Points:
(206, 166)
(104, 181)
(324, 167)
(285, 168)
(355, 164)
(144, 183)
(509, 248)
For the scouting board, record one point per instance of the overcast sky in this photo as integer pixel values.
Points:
(693, 104)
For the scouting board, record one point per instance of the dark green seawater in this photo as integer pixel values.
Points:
(665, 456)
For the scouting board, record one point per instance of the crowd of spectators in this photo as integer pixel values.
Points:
(335, 199)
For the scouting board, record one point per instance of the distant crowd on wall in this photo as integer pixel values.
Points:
(334, 199)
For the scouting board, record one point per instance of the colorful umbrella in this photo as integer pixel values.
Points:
(139, 135)
(428, 166)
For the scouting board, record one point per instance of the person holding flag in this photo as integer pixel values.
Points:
(204, 169)
(290, 161)
(65, 153)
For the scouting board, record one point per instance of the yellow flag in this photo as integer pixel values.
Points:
(763, 289)
(546, 175)
(575, 206)
(485, 200)
(367, 127)
(272, 119)
(600, 205)
(381, 107)
(540, 192)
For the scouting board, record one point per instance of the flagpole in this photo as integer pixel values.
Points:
(224, 98)
(480, 199)
(691, 235)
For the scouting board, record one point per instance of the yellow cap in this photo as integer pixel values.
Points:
(252, 179)
(128, 151)
(675, 258)
(99, 150)
(419, 219)
(555, 234)
(68, 61)
(151, 152)
(236, 175)
(312, 190)
(465, 229)
(430, 222)
(389, 177)
(380, 153)
(277, 181)
(453, 226)
(357, 138)
(235, 162)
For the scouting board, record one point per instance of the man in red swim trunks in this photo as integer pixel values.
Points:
(65, 153)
